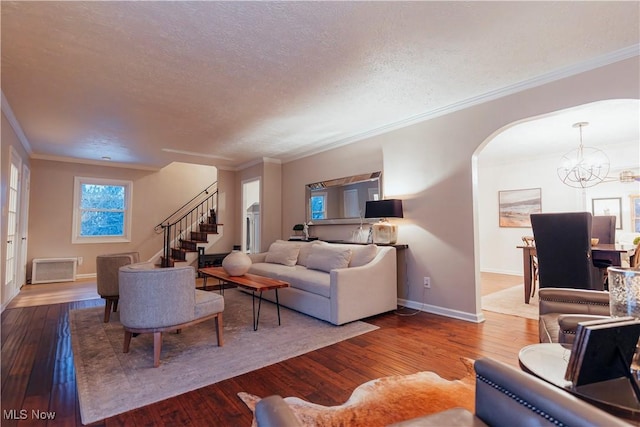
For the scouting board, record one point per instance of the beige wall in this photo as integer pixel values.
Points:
(156, 194)
(9, 140)
(429, 165)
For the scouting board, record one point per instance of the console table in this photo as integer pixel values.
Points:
(549, 362)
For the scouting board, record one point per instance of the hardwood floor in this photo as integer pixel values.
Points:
(37, 366)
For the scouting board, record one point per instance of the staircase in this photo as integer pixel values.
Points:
(189, 227)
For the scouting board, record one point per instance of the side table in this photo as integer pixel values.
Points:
(549, 363)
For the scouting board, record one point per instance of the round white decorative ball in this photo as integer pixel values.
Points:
(236, 263)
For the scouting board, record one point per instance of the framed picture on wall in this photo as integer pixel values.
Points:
(635, 213)
(608, 206)
(516, 206)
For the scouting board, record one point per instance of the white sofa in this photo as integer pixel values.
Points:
(338, 283)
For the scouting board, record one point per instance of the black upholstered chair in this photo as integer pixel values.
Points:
(603, 227)
(563, 245)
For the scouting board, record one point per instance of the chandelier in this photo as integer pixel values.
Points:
(585, 166)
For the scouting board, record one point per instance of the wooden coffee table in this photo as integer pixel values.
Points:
(251, 282)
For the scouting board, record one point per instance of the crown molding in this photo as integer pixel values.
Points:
(591, 64)
(15, 125)
(104, 163)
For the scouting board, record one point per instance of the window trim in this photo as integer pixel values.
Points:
(77, 188)
(324, 195)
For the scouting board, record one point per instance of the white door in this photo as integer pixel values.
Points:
(13, 191)
(351, 208)
(251, 216)
(23, 221)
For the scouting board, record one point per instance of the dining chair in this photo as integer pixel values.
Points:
(563, 246)
(531, 242)
(603, 227)
(634, 262)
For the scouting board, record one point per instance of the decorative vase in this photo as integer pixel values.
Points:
(236, 263)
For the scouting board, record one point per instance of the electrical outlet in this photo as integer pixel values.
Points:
(80, 259)
(427, 282)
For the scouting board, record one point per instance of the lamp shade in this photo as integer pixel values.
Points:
(391, 208)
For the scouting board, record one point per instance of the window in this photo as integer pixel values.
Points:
(318, 202)
(101, 210)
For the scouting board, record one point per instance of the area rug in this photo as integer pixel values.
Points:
(511, 301)
(111, 382)
(384, 401)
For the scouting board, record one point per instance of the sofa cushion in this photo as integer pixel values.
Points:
(312, 281)
(363, 255)
(360, 254)
(208, 303)
(305, 250)
(269, 270)
(282, 253)
(328, 257)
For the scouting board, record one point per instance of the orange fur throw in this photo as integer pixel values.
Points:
(387, 400)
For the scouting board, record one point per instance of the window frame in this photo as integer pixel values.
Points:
(78, 181)
(324, 196)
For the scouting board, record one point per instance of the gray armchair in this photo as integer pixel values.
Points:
(156, 300)
(107, 267)
(561, 309)
(505, 397)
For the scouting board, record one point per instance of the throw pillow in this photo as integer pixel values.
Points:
(305, 250)
(282, 253)
(363, 255)
(327, 258)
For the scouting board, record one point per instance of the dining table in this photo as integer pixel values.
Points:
(613, 253)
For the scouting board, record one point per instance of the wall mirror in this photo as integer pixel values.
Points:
(342, 200)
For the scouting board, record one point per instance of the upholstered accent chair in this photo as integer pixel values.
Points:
(563, 246)
(561, 309)
(157, 300)
(107, 267)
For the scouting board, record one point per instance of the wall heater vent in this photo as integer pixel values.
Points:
(48, 270)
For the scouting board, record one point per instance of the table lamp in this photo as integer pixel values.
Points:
(383, 231)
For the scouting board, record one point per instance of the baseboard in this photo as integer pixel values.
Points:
(433, 309)
(86, 276)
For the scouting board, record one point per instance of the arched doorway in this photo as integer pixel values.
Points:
(526, 154)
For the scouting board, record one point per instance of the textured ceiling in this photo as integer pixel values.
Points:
(225, 83)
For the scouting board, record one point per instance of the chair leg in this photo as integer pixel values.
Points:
(115, 305)
(107, 309)
(218, 320)
(127, 341)
(157, 347)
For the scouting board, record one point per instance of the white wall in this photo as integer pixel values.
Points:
(498, 252)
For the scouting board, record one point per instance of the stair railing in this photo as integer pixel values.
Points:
(176, 226)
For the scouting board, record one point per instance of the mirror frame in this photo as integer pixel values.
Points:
(340, 182)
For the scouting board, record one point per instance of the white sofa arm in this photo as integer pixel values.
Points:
(364, 291)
